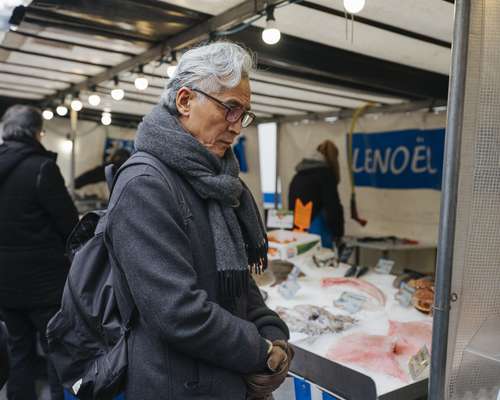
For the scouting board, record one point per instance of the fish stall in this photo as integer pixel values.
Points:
(365, 331)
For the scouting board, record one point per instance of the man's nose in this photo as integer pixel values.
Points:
(235, 127)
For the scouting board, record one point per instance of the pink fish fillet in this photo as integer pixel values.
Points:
(372, 352)
(359, 284)
(410, 336)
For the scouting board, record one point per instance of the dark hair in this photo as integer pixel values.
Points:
(21, 122)
(331, 154)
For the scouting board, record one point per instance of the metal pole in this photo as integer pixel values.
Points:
(74, 123)
(277, 175)
(456, 96)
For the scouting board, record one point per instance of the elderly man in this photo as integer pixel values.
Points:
(187, 244)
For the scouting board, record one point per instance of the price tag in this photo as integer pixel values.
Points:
(294, 273)
(351, 302)
(346, 254)
(289, 288)
(281, 219)
(419, 363)
(384, 266)
(405, 295)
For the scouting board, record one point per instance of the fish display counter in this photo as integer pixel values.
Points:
(359, 323)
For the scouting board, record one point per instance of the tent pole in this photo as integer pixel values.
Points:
(276, 182)
(456, 96)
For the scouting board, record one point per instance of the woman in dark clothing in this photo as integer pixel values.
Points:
(36, 217)
(317, 180)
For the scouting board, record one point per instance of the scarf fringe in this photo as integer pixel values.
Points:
(232, 283)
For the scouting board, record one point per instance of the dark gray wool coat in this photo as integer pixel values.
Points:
(187, 343)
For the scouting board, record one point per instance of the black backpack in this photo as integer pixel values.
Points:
(87, 337)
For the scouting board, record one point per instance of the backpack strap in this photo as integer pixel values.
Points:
(109, 173)
(127, 305)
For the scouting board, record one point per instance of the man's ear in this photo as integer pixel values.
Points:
(183, 101)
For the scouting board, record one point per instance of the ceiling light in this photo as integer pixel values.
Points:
(354, 6)
(117, 93)
(141, 82)
(61, 110)
(271, 35)
(47, 114)
(94, 100)
(76, 105)
(106, 118)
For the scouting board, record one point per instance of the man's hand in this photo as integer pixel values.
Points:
(277, 356)
(261, 385)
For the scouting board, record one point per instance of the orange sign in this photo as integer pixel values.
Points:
(302, 215)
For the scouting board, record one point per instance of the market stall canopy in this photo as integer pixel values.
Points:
(394, 53)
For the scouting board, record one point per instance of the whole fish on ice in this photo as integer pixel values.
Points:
(313, 320)
(358, 284)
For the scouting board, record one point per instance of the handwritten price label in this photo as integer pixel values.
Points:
(384, 266)
(419, 363)
(351, 302)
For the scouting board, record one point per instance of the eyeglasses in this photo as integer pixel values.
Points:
(233, 114)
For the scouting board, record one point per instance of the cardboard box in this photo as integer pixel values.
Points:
(288, 244)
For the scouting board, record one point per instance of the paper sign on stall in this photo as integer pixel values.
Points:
(384, 266)
(281, 219)
(419, 363)
(351, 302)
(405, 295)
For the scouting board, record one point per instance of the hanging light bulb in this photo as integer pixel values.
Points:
(271, 35)
(141, 82)
(61, 110)
(48, 114)
(106, 118)
(76, 104)
(354, 6)
(94, 99)
(117, 93)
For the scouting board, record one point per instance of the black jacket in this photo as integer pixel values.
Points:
(316, 182)
(36, 217)
(187, 343)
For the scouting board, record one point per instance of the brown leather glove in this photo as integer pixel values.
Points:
(261, 385)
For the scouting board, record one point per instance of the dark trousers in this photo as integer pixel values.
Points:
(23, 325)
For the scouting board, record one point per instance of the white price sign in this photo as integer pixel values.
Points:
(351, 302)
(384, 266)
(280, 219)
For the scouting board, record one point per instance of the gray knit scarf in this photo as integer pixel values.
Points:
(238, 232)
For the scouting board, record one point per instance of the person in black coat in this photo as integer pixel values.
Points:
(317, 180)
(36, 217)
(188, 242)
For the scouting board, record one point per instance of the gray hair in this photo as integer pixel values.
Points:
(21, 122)
(212, 68)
